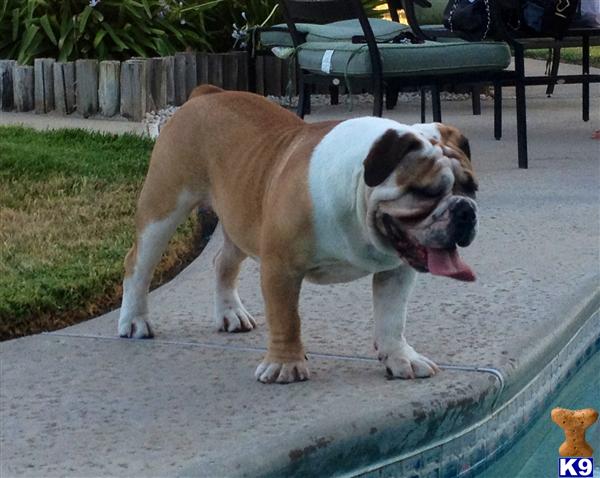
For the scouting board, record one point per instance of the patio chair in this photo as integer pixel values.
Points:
(279, 36)
(439, 34)
(425, 17)
(369, 63)
(261, 45)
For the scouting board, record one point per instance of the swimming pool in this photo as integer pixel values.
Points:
(535, 454)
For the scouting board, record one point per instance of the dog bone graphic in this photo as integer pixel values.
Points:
(574, 423)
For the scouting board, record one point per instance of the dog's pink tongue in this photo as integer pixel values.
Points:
(447, 262)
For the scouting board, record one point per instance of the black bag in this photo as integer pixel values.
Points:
(548, 17)
(471, 19)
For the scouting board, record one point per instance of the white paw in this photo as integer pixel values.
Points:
(402, 361)
(136, 328)
(234, 318)
(270, 372)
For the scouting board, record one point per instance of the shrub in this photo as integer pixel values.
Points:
(103, 29)
(118, 29)
(234, 18)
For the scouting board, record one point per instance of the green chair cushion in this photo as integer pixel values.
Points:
(337, 31)
(441, 33)
(433, 15)
(346, 29)
(434, 26)
(406, 59)
(271, 38)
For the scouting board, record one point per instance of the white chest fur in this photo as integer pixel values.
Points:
(343, 250)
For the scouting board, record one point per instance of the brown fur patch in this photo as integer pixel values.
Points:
(455, 140)
(385, 155)
(204, 90)
(248, 159)
(130, 259)
(286, 241)
(456, 145)
(419, 175)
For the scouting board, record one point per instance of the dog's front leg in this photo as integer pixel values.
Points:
(391, 290)
(285, 361)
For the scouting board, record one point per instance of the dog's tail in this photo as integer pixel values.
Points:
(205, 90)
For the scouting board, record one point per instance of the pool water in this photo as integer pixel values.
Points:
(535, 454)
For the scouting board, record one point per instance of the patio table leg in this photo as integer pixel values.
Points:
(391, 97)
(476, 99)
(334, 94)
(555, 62)
(497, 110)
(521, 107)
(303, 97)
(585, 84)
(251, 62)
(423, 93)
(436, 104)
(378, 97)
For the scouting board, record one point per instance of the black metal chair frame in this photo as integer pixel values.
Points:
(327, 12)
(334, 10)
(519, 42)
(395, 5)
(253, 51)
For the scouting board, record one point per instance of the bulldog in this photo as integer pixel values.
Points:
(328, 202)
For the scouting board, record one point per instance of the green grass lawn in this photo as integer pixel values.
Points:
(67, 204)
(569, 55)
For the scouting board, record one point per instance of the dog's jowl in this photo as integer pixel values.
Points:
(326, 202)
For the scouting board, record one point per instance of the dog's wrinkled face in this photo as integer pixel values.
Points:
(421, 197)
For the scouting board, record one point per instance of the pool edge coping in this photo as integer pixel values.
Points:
(468, 450)
(516, 415)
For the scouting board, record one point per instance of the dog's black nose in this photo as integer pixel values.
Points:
(464, 220)
(464, 213)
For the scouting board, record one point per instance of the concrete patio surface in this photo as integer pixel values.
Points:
(81, 402)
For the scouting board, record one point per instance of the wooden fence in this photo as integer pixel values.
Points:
(133, 87)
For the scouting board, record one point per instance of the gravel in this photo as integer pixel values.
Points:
(155, 120)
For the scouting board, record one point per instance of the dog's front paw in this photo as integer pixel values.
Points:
(286, 372)
(136, 328)
(402, 361)
(234, 319)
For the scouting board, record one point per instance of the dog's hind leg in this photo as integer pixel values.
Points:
(156, 224)
(230, 313)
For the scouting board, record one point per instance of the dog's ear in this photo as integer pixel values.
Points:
(386, 154)
(463, 143)
(452, 137)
